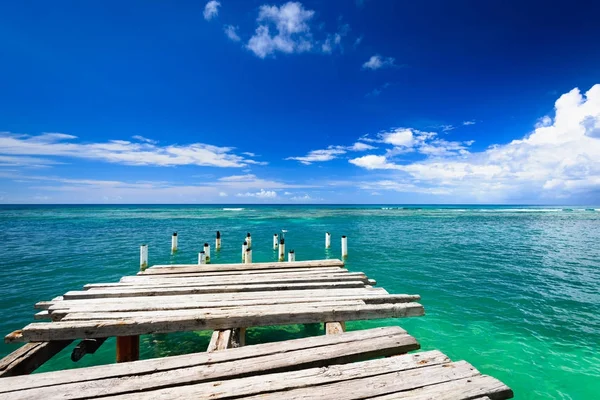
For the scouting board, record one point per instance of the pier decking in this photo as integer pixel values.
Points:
(228, 298)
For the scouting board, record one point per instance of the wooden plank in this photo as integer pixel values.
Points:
(354, 276)
(288, 294)
(335, 328)
(220, 340)
(254, 367)
(60, 310)
(128, 348)
(213, 311)
(187, 268)
(238, 338)
(136, 292)
(353, 387)
(285, 348)
(41, 315)
(44, 331)
(481, 387)
(30, 357)
(214, 274)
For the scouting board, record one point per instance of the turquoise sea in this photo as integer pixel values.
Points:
(513, 290)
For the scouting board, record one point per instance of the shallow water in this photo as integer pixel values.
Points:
(513, 290)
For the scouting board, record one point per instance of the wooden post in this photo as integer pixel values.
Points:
(282, 249)
(218, 241)
(275, 242)
(143, 257)
(128, 348)
(174, 242)
(207, 253)
(335, 328)
(327, 240)
(291, 256)
(344, 247)
(238, 338)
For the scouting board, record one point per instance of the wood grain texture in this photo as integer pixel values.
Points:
(284, 349)
(45, 331)
(30, 357)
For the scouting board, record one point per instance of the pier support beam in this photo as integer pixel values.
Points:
(30, 357)
(128, 348)
(335, 328)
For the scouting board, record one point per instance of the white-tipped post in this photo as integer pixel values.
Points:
(249, 240)
(202, 258)
(291, 256)
(244, 248)
(174, 242)
(344, 246)
(248, 259)
(207, 252)
(327, 240)
(282, 250)
(218, 241)
(143, 257)
(275, 241)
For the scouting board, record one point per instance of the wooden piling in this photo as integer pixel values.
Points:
(128, 348)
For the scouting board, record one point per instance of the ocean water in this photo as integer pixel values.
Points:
(513, 290)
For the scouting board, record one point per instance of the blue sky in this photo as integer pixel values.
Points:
(368, 101)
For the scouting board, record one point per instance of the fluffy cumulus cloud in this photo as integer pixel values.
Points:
(143, 151)
(287, 29)
(283, 29)
(559, 159)
(378, 62)
(330, 153)
(231, 32)
(211, 9)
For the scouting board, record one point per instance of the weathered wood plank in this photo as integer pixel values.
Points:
(285, 349)
(249, 272)
(60, 310)
(136, 292)
(213, 311)
(41, 315)
(335, 328)
(30, 357)
(287, 294)
(354, 276)
(352, 388)
(187, 268)
(44, 331)
(220, 340)
(481, 387)
(254, 367)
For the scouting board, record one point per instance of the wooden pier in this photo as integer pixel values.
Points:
(228, 299)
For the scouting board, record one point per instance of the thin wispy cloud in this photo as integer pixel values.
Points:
(231, 32)
(471, 122)
(330, 153)
(143, 152)
(378, 62)
(211, 9)
(262, 194)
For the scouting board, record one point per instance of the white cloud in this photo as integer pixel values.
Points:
(360, 146)
(222, 194)
(120, 151)
(358, 41)
(306, 197)
(262, 194)
(139, 138)
(334, 41)
(400, 137)
(292, 34)
(231, 32)
(373, 162)
(330, 153)
(377, 62)
(447, 128)
(471, 122)
(211, 9)
(558, 159)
